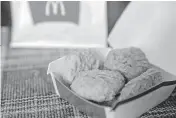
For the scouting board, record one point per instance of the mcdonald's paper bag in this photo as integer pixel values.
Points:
(59, 24)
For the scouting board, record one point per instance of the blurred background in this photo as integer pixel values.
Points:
(14, 19)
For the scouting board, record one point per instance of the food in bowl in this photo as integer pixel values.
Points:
(126, 73)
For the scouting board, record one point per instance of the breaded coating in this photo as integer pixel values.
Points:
(131, 62)
(141, 83)
(98, 85)
(72, 64)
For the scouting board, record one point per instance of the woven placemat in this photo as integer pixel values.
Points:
(50, 106)
(166, 109)
(27, 91)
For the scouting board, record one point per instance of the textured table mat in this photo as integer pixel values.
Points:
(49, 106)
(27, 92)
(166, 109)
